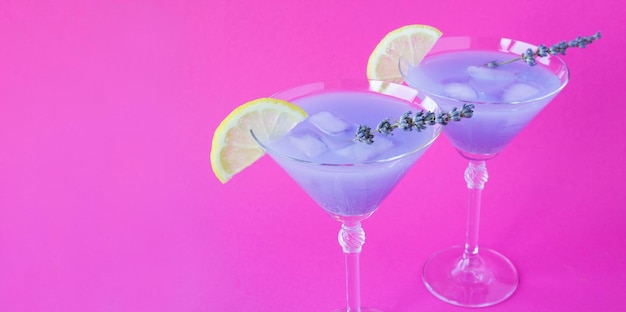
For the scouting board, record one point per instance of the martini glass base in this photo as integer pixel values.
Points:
(476, 281)
(361, 310)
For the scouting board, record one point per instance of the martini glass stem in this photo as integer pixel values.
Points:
(351, 239)
(476, 176)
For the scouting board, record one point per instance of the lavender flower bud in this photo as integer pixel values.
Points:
(418, 121)
(418, 117)
(542, 51)
(364, 134)
(406, 123)
(443, 118)
(562, 47)
(385, 127)
(454, 114)
(467, 111)
(430, 118)
(553, 50)
(529, 57)
(597, 36)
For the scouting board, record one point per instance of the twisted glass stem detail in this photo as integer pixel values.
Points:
(351, 237)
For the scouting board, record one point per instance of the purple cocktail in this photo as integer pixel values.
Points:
(506, 97)
(350, 179)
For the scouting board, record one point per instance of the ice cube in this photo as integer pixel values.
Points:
(307, 144)
(489, 73)
(460, 91)
(487, 79)
(518, 92)
(328, 123)
(338, 141)
(360, 152)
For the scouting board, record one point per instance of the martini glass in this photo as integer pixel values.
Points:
(506, 98)
(347, 179)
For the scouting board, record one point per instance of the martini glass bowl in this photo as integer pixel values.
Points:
(349, 179)
(506, 98)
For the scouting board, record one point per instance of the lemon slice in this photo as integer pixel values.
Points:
(233, 148)
(411, 43)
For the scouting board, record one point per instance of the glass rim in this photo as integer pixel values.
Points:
(563, 80)
(339, 84)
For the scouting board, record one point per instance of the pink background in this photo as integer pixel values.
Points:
(108, 202)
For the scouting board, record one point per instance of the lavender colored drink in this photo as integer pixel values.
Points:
(507, 97)
(349, 179)
(344, 177)
(509, 83)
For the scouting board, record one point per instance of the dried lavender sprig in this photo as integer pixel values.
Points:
(529, 56)
(417, 122)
